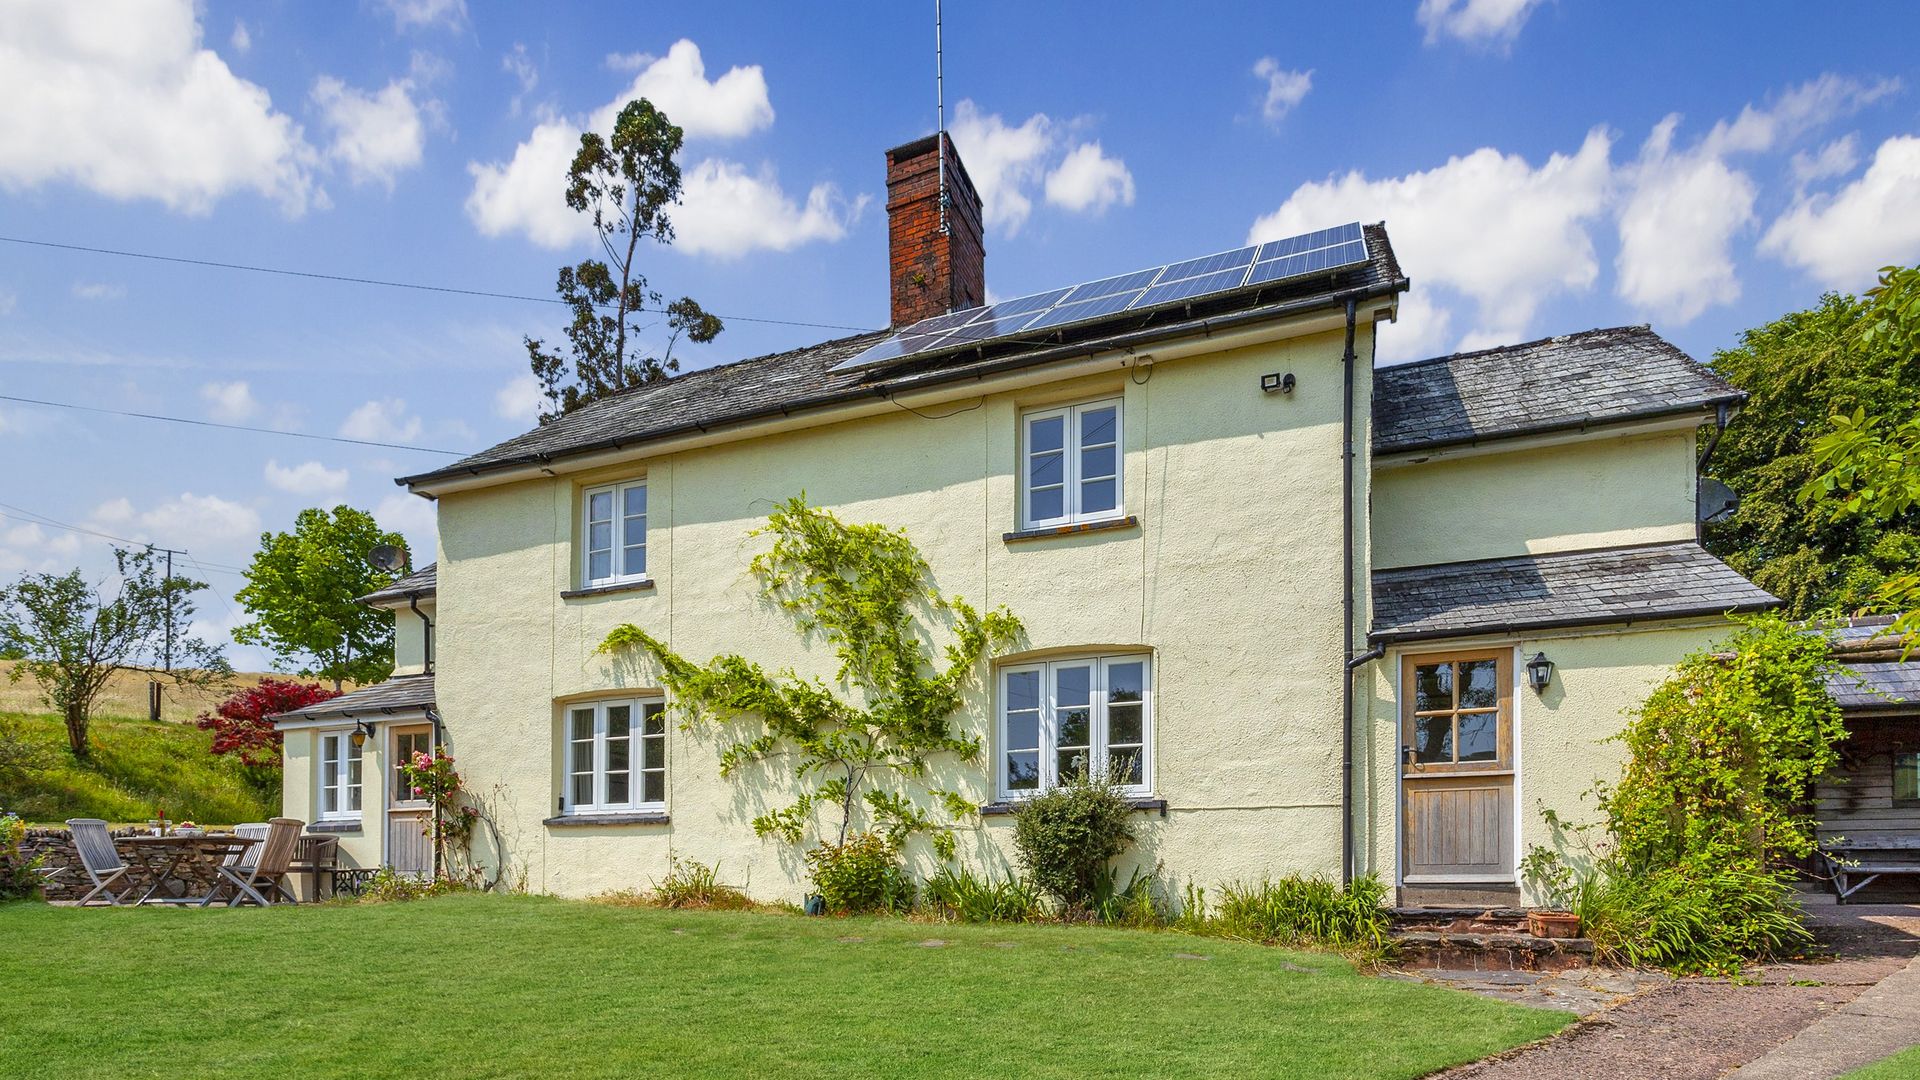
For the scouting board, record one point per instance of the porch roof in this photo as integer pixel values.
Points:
(1881, 680)
(381, 699)
(1575, 588)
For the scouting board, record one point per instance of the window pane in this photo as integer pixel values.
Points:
(616, 788)
(599, 566)
(1046, 434)
(600, 506)
(582, 723)
(1023, 730)
(1432, 687)
(617, 755)
(1123, 725)
(1072, 685)
(1479, 736)
(1125, 765)
(1049, 504)
(655, 787)
(635, 563)
(1126, 682)
(1023, 771)
(1096, 425)
(1479, 685)
(600, 536)
(1046, 470)
(619, 721)
(1906, 777)
(1433, 738)
(330, 801)
(1098, 495)
(1073, 710)
(1097, 461)
(653, 753)
(636, 500)
(655, 719)
(1073, 764)
(1023, 690)
(583, 757)
(583, 789)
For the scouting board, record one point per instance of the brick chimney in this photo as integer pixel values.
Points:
(932, 272)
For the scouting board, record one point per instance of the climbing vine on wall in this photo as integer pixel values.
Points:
(858, 751)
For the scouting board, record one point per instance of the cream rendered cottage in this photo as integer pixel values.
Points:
(1304, 601)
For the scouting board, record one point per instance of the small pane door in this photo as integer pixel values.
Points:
(1456, 765)
(409, 815)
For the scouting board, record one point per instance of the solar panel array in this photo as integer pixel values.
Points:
(1042, 313)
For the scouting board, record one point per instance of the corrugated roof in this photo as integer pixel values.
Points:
(803, 379)
(400, 692)
(1556, 383)
(419, 583)
(1653, 581)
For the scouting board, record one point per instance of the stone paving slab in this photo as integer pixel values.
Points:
(1882, 1020)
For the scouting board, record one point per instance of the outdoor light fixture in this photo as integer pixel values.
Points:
(1539, 672)
(363, 729)
(1276, 383)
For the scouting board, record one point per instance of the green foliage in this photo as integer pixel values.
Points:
(1694, 920)
(1298, 910)
(693, 884)
(862, 757)
(624, 184)
(960, 895)
(862, 876)
(76, 638)
(1131, 905)
(301, 589)
(1800, 370)
(1723, 755)
(17, 878)
(1068, 835)
(21, 756)
(136, 767)
(386, 886)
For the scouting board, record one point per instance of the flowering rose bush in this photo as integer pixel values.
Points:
(433, 778)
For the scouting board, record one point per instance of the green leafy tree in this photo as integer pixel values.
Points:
(1799, 371)
(300, 591)
(861, 752)
(624, 184)
(76, 637)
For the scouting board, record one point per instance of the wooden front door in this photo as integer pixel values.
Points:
(409, 847)
(1456, 768)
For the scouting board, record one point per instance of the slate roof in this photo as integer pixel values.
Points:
(419, 583)
(1556, 383)
(1651, 581)
(1876, 684)
(803, 379)
(400, 692)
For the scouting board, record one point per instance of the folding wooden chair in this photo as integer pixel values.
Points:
(267, 876)
(100, 859)
(240, 859)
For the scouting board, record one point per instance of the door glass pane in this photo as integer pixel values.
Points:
(1432, 687)
(1433, 738)
(1479, 736)
(1479, 684)
(1023, 770)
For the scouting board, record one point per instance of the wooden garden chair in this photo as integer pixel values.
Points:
(100, 859)
(240, 859)
(267, 877)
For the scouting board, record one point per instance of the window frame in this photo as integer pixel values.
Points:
(621, 542)
(1099, 733)
(1502, 711)
(1071, 453)
(641, 710)
(1893, 777)
(335, 777)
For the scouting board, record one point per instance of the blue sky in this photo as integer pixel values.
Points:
(1542, 168)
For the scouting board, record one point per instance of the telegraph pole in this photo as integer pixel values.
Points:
(166, 656)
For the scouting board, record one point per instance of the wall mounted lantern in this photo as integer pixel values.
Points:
(363, 730)
(1539, 672)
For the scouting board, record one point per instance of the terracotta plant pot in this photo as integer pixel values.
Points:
(1553, 924)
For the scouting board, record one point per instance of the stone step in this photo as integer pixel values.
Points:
(1491, 952)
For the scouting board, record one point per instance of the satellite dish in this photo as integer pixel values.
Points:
(388, 557)
(1714, 501)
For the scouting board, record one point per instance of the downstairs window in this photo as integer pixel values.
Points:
(1067, 718)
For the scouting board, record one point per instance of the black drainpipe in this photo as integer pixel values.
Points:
(413, 601)
(1346, 610)
(1721, 415)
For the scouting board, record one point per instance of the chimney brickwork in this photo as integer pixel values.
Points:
(932, 273)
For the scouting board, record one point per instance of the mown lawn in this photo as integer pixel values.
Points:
(479, 986)
(137, 767)
(1902, 1066)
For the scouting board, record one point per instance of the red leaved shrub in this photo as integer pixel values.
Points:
(242, 724)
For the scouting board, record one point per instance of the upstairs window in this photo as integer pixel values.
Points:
(1071, 464)
(616, 757)
(1086, 716)
(614, 534)
(340, 780)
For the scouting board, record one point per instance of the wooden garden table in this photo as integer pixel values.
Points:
(165, 856)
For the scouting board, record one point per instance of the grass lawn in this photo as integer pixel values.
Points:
(479, 986)
(1901, 1066)
(137, 766)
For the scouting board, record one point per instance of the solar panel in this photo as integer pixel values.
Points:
(1323, 251)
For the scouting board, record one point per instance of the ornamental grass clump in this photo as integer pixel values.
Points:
(960, 895)
(1306, 911)
(695, 885)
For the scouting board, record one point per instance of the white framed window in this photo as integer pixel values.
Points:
(613, 534)
(1091, 714)
(1070, 464)
(615, 757)
(339, 779)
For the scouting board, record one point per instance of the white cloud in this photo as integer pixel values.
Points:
(198, 523)
(30, 549)
(1837, 158)
(1842, 238)
(232, 402)
(733, 105)
(242, 39)
(1088, 181)
(1479, 21)
(520, 400)
(382, 420)
(521, 66)
(98, 290)
(1285, 88)
(309, 478)
(420, 14)
(376, 135)
(727, 211)
(1488, 226)
(528, 194)
(1003, 159)
(121, 98)
(1421, 329)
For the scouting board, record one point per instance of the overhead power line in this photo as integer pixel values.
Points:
(230, 427)
(30, 517)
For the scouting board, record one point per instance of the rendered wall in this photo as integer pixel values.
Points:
(1597, 493)
(1232, 578)
(300, 795)
(410, 639)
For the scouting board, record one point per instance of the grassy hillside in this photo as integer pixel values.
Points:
(126, 694)
(137, 767)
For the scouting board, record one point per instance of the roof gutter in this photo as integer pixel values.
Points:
(1586, 421)
(1204, 328)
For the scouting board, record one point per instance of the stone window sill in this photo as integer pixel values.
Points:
(342, 826)
(1145, 805)
(607, 590)
(573, 820)
(1131, 521)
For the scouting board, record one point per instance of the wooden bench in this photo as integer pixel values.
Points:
(1858, 862)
